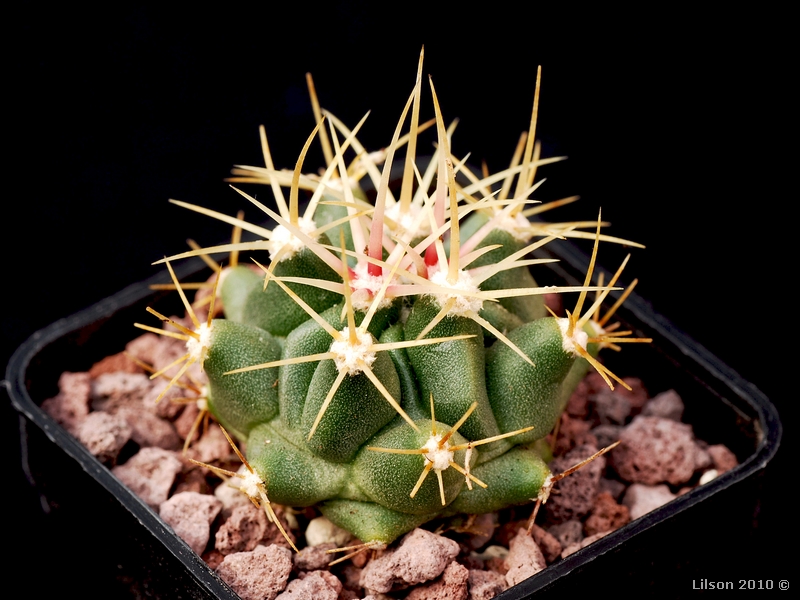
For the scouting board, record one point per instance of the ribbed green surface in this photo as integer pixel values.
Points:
(242, 400)
(523, 395)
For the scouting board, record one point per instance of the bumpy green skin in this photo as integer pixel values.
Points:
(273, 309)
(361, 489)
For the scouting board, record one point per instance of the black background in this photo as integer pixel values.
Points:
(673, 124)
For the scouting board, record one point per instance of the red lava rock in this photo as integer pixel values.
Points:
(572, 549)
(261, 574)
(667, 405)
(360, 560)
(452, 585)
(211, 446)
(611, 486)
(213, 559)
(578, 404)
(606, 515)
(143, 348)
(190, 515)
(71, 405)
(484, 585)
(611, 407)
(104, 435)
(170, 405)
(594, 382)
(313, 558)
(316, 585)
(231, 497)
(480, 529)
(113, 364)
(112, 390)
(548, 544)
(641, 499)
(573, 432)
(575, 493)
(498, 564)
(185, 422)
(606, 434)
(351, 577)
(567, 533)
(506, 531)
(248, 527)
(192, 479)
(421, 556)
(524, 558)
(149, 430)
(722, 457)
(702, 459)
(654, 450)
(637, 395)
(150, 474)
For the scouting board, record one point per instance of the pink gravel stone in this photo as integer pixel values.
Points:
(667, 405)
(114, 363)
(248, 527)
(576, 492)
(71, 405)
(190, 515)
(313, 558)
(568, 533)
(548, 544)
(104, 435)
(211, 446)
(149, 430)
(611, 407)
(261, 574)
(452, 585)
(485, 585)
(723, 459)
(316, 585)
(144, 347)
(655, 450)
(150, 474)
(112, 390)
(421, 556)
(573, 548)
(641, 499)
(524, 558)
(606, 515)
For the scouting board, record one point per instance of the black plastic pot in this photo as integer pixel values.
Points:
(137, 551)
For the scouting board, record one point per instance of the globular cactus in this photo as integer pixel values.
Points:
(394, 361)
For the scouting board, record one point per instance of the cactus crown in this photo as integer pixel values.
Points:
(382, 341)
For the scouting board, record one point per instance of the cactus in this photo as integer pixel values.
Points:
(394, 361)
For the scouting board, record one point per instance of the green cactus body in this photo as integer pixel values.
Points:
(516, 477)
(382, 430)
(320, 434)
(273, 309)
(356, 411)
(453, 372)
(521, 394)
(372, 521)
(241, 401)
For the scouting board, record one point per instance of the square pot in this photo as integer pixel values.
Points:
(141, 556)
